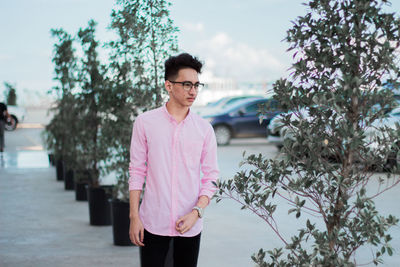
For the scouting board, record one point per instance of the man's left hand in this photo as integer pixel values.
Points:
(186, 222)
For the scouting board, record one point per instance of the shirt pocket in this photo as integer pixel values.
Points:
(192, 153)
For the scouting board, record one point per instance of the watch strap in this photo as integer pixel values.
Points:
(199, 211)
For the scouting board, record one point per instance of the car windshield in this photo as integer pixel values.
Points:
(238, 104)
(216, 103)
(228, 101)
(236, 99)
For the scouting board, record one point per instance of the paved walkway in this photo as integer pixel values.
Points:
(41, 224)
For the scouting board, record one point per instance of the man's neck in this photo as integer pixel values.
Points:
(177, 111)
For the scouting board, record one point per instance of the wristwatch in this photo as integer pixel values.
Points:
(200, 211)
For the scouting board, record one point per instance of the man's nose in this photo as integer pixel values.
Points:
(192, 91)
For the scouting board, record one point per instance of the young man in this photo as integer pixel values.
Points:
(170, 145)
(3, 117)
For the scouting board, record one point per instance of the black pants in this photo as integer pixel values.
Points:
(154, 252)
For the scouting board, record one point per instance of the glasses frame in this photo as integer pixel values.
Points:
(195, 86)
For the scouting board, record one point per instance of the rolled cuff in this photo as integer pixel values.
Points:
(208, 192)
(136, 183)
(135, 186)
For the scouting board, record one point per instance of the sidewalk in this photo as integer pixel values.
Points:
(41, 224)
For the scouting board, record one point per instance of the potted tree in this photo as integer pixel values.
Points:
(70, 162)
(90, 153)
(59, 138)
(116, 136)
(56, 134)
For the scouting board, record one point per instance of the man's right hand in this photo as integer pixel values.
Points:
(136, 231)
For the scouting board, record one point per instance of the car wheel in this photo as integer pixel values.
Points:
(223, 135)
(11, 125)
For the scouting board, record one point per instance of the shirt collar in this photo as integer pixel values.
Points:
(171, 118)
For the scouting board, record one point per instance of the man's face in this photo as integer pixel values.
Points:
(176, 90)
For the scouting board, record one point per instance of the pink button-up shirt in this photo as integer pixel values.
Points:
(170, 156)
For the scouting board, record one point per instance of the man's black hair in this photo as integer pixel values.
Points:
(181, 61)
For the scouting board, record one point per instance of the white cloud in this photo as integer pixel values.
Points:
(226, 57)
(220, 40)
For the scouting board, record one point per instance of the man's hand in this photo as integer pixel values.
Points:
(186, 222)
(136, 232)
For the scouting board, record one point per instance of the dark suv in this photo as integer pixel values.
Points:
(242, 119)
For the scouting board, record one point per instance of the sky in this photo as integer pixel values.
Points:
(236, 39)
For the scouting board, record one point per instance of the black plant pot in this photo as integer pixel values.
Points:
(60, 170)
(69, 180)
(120, 222)
(52, 160)
(99, 206)
(80, 191)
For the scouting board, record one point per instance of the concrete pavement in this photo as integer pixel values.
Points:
(41, 224)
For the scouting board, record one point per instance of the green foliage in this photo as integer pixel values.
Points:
(146, 38)
(65, 62)
(10, 94)
(58, 132)
(89, 106)
(343, 52)
(73, 132)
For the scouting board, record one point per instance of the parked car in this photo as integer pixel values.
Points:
(242, 119)
(219, 105)
(17, 115)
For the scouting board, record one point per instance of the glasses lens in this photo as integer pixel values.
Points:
(187, 86)
(199, 86)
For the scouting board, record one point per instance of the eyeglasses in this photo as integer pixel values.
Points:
(187, 86)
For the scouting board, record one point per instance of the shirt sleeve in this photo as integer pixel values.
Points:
(138, 156)
(209, 165)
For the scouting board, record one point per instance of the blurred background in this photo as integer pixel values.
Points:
(240, 43)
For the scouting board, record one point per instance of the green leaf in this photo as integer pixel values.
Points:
(390, 251)
(291, 210)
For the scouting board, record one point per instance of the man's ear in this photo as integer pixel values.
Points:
(168, 86)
